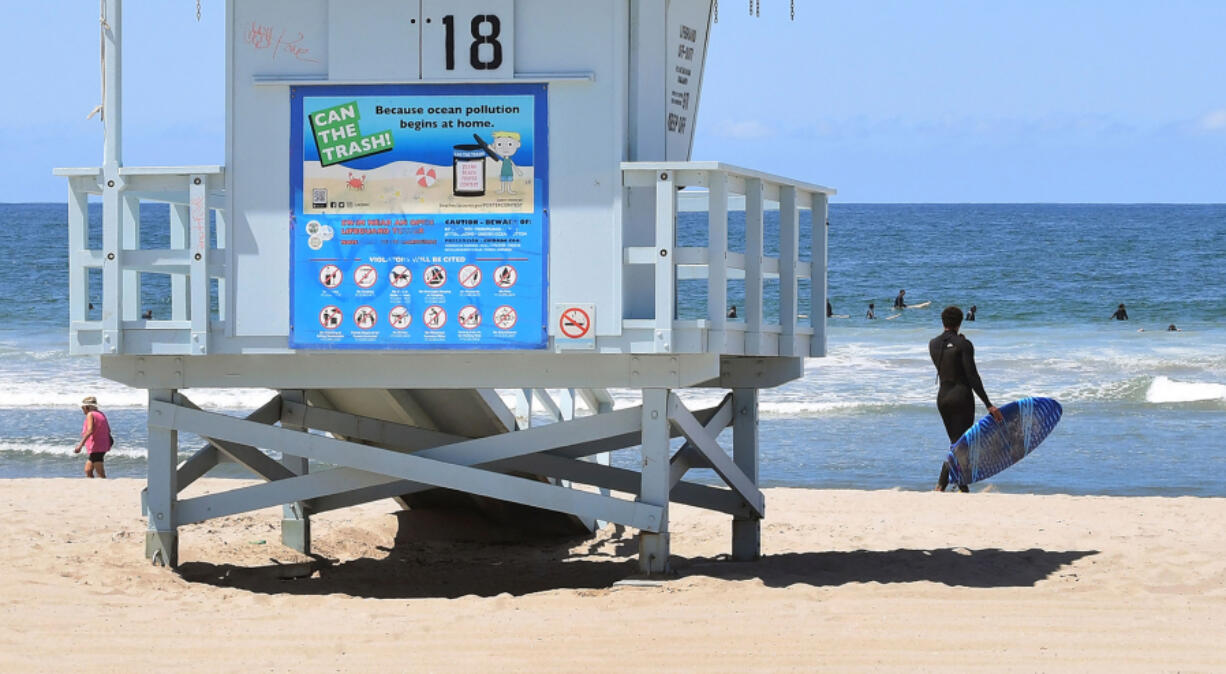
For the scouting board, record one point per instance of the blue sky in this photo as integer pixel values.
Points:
(936, 101)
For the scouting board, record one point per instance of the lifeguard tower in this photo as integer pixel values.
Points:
(430, 208)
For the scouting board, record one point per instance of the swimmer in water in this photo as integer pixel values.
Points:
(871, 313)
(1120, 314)
(899, 303)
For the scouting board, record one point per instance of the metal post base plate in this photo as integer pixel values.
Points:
(162, 548)
(296, 535)
(653, 553)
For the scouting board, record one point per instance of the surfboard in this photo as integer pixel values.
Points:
(921, 305)
(839, 316)
(893, 316)
(989, 447)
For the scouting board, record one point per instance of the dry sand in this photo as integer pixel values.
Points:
(849, 580)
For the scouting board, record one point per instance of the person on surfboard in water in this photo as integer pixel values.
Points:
(954, 357)
(899, 302)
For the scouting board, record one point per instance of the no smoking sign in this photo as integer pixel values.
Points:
(575, 326)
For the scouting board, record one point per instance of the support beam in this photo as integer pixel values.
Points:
(368, 429)
(162, 537)
(720, 461)
(407, 438)
(270, 494)
(689, 456)
(655, 486)
(195, 467)
(245, 455)
(621, 479)
(746, 529)
(364, 458)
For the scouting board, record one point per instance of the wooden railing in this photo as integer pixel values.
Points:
(119, 326)
(726, 188)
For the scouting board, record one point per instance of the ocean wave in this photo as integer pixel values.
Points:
(13, 448)
(26, 395)
(1166, 390)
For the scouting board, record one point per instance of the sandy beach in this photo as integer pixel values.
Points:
(849, 580)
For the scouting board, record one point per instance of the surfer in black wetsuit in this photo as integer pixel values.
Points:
(970, 315)
(871, 313)
(954, 357)
(898, 301)
(1120, 314)
(829, 310)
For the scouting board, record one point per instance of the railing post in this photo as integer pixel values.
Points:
(179, 219)
(198, 243)
(817, 276)
(219, 218)
(666, 276)
(789, 247)
(131, 241)
(717, 259)
(755, 206)
(78, 277)
(112, 183)
(112, 254)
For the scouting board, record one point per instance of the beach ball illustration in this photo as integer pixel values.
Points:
(426, 177)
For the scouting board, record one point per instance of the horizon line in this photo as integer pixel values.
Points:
(869, 203)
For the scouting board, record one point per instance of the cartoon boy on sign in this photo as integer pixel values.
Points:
(507, 143)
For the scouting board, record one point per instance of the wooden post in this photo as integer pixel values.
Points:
(717, 260)
(789, 246)
(295, 520)
(666, 270)
(755, 207)
(653, 547)
(162, 537)
(817, 286)
(746, 531)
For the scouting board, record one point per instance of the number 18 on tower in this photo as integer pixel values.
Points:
(468, 39)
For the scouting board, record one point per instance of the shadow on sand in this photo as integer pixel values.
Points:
(430, 568)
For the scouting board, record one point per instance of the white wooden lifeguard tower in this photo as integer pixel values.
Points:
(427, 205)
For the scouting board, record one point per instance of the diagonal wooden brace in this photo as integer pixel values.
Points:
(197, 465)
(621, 479)
(720, 461)
(600, 436)
(689, 456)
(245, 455)
(378, 463)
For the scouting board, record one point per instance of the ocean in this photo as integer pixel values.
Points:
(1144, 408)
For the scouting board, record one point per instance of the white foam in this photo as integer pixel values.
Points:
(1166, 390)
(65, 449)
(22, 395)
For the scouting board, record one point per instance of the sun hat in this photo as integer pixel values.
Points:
(89, 401)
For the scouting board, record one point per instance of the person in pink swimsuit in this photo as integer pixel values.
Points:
(95, 437)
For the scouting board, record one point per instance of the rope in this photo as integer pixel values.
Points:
(103, 26)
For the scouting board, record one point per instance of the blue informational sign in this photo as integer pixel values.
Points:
(419, 216)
